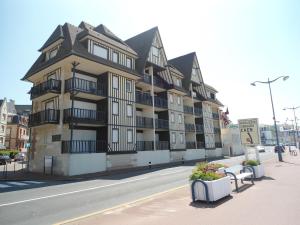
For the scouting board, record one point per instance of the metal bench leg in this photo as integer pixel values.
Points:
(236, 185)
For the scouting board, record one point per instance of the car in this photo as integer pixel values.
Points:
(260, 148)
(279, 148)
(4, 159)
(20, 156)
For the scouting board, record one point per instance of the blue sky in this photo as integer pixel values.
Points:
(237, 42)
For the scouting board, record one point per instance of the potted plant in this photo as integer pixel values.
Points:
(257, 167)
(208, 184)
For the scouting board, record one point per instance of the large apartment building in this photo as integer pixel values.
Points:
(3, 122)
(100, 103)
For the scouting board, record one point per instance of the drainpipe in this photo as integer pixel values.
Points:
(74, 64)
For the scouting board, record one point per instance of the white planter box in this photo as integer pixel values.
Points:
(259, 171)
(217, 189)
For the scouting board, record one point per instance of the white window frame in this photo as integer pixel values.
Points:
(181, 138)
(115, 135)
(171, 98)
(172, 117)
(129, 84)
(115, 108)
(178, 100)
(129, 136)
(129, 110)
(115, 82)
(127, 61)
(113, 57)
(173, 134)
(53, 53)
(101, 51)
(179, 118)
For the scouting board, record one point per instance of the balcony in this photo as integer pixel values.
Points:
(160, 102)
(189, 127)
(190, 145)
(143, 98)
(147, 79)
(144, 146)
(86, 89)
(162, 145)
(161, 124)
(49, 116)
(188, 109)
(198, 112)
(144, 122)
(199, 129)
(177, 89)
(215, 116)
(200, 144)
(51, 86)
(85, 116)
(78, 146)
(218, 145)
(159, 82)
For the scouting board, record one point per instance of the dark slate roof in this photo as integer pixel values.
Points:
(23, 108)
(141, 43)
(56, 35)
(184, 64)
(105, 31)
(72, 46)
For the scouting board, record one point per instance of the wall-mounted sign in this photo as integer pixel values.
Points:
(249, 130)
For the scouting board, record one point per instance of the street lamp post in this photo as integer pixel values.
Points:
(274, 118)
(295, 120)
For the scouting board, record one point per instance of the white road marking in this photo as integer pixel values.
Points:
(4, 185)
(33, 182)
(71, 192)
(16, 183)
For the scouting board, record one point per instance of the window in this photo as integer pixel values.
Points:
(129, 136)
(155, 55)
(100, 51)
(173, 137)
(56, 137)
(178, 82)
(171, 98)
(180, 118)
(115, 57)
(128, 62)
(115, 108)
(128, 86)
(115, 82)
(129, 110)
(115, 135)
(178, 100)
(181, 139)
(53, 53)
(172, 117)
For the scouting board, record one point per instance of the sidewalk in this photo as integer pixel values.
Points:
(273, 200)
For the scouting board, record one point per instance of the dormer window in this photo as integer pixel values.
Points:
(155, 55)
(212, 96)
(100, 51)
(53, 53)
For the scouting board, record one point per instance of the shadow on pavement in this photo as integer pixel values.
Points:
(204, 204)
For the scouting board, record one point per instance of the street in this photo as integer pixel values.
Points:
(48, 202)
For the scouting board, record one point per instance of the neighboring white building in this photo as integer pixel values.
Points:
(3, 122)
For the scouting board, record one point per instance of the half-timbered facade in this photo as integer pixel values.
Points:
(101, 103)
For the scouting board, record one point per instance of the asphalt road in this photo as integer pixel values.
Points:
(48, 202)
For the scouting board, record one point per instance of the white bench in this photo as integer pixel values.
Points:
(239, 172)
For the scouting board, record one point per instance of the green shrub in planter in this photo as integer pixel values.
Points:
(251, 163)
(207, 171)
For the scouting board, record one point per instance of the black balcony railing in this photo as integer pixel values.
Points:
(147, 78)
(200, 144)
(143, 98)
(218, 145)
(159, 82)
(217, 130)
(162, 145)
(199, 128)
(86, 86)
(189, 127)
(160, 102)
(53, 86)
(190, 145)
(198, 111)
(161, 124)
(188, 109)
(44, 117)
(144, 122)
(80, 146)
(84, 116)
(215, 116)
(144, 146)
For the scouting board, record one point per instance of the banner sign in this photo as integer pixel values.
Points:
(249, 130)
